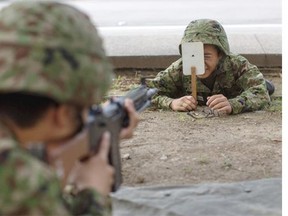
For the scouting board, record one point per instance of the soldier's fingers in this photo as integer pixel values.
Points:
(182, 108)
(215, 100)
(219, 105)
(191, 102)
(104, 146)
(191, 99)
(191, 106)
(212, 98)
(133, 120)
(129, 105)
(227, 109)
(188, 106)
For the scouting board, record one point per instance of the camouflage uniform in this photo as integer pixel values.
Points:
(53, 50)
(236, 78)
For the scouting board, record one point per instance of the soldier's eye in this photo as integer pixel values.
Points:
(206, 57)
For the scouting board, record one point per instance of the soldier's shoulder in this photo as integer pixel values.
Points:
(25, 179)
(235, 59)
(177, 64)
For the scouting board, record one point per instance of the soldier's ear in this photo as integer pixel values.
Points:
(63, 114)
(62, 121)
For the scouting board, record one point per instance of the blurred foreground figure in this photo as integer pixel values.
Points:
(52, 69)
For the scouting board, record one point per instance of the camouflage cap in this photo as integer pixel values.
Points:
(207, 31)
(52, 49)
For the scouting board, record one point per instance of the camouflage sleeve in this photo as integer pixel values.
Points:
(28, 187)
(169, 85)
(255, 95)
(86, 202)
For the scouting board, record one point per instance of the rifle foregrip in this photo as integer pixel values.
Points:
(112, 118)
(141, 97)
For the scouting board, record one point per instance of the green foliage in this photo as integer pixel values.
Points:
(182, 116)
(275, 105)
(203, 160)
(117, 82)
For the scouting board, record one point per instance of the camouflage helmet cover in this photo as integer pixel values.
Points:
(207, 31)
(52, 49)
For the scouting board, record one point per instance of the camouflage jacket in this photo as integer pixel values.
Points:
(237, 79)
(30, 187)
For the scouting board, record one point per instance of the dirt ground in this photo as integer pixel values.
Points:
(171, 148)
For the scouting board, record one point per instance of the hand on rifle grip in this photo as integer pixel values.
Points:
(96, 172)
(127, 132)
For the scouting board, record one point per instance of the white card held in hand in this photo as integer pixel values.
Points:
(193, 56)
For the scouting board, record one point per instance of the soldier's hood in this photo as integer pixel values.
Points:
(206, 31)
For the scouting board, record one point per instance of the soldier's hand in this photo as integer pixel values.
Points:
(219, 103)
(133, 120)
(95, 173)
(186, 103)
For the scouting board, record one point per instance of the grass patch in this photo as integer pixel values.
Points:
(182, 116)
(275, 105)
(203, 161)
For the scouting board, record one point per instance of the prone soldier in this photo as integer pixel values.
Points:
(230, 84)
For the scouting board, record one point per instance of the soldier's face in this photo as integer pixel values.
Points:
(211, 58)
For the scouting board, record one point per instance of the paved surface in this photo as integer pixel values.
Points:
(144, 34)
(180, 12)
(157, 47)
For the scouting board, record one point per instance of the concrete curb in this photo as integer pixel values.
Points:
(161, 61)
(154, 47)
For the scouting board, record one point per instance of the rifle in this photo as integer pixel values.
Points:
(112, 118)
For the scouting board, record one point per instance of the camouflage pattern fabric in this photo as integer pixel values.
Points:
(30, 187)
(54, 50)
(208, 32)
(23, 192)
(235, 77)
